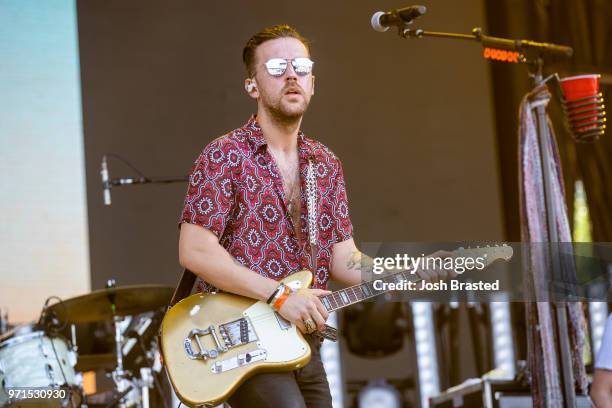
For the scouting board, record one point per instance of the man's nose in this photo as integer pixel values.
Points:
(290, 72)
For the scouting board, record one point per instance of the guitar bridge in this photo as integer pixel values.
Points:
(237, 332)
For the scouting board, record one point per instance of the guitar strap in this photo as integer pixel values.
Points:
(184, 288)
(311, 206)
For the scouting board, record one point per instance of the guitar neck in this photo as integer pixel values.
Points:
(357, 293)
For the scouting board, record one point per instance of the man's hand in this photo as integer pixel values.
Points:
(436, 274)
(303, 305)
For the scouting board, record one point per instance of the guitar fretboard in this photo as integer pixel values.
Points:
(354, 294)
(357, 293)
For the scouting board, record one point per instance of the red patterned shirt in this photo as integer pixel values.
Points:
(236, 191)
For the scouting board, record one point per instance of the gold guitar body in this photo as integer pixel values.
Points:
(211, 343)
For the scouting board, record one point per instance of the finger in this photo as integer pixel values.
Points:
(441, 253)
(321, 309)
(320, 292)
(309, 324)
(301, 327)
(442, 274)
(425, 275)
(318, 319)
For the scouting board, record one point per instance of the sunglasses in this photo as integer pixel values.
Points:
(278, 66)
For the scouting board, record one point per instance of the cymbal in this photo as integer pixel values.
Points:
(105, 303)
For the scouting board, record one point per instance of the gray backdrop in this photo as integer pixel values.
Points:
(411, 120)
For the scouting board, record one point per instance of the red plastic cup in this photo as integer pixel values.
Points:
(580, 86)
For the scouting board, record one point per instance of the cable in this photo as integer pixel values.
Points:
(127, 163)
(51, 328)
(59, 363)
(43, 314)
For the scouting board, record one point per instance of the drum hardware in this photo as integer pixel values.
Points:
(75, 348)
(4, 325)
(31, 357)
(40, 355)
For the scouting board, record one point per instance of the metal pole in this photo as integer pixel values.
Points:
(553, 238)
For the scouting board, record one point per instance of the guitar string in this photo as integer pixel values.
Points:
(341, 304)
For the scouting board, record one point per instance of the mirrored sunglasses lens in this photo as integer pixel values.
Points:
(276, 66)
(302, 66)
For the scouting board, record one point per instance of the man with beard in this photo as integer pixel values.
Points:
(246, 225)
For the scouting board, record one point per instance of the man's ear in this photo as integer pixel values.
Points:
(251, 87)
(313, 83)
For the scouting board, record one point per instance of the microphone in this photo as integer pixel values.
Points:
(381, 21)
(105, 184)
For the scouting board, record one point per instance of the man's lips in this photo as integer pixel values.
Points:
(293, 92)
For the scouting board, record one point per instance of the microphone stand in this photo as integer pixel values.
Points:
(126, 181)
(122, 181)
(521, 46)
(531, 53)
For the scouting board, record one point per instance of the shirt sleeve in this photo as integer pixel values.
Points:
(604, 356)
(210, 195)
(343, 226)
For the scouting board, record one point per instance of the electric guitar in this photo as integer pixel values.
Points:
(212, 342)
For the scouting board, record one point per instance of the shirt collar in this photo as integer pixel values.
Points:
(257, 139)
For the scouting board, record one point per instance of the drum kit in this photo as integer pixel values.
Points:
(45, 356)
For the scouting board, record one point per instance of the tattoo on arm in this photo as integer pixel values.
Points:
(360, 262)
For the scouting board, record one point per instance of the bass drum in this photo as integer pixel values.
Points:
(30, 359)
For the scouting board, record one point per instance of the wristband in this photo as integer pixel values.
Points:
(282, 298)
(275, 294)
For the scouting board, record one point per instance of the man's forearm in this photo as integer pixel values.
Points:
(217, 267)
(601, 389)
(349, 265)
(602, 399)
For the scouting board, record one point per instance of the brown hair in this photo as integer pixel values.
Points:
(267, 34)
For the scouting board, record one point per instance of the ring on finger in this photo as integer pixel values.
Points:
(310, 326)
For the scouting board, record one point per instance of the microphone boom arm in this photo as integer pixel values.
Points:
(123, 181)
(522, 46)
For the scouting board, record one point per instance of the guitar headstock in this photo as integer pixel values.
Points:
(490, 253)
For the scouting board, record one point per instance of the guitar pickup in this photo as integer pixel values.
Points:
(237, 332)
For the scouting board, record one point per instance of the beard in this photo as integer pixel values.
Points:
(283, 111)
